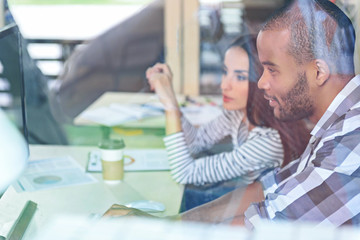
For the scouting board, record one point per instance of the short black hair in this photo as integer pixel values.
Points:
(319, 29)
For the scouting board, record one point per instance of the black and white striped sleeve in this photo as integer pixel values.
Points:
(262, 150)
(204, 137)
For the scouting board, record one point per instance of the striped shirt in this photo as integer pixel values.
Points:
(323, 186)
(253, 152)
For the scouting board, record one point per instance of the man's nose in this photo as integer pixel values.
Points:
(263, 82)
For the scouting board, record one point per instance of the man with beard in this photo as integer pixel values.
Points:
(307, 51)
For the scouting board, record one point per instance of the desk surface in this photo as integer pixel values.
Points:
(124, 97)
(137, 98)
(151, 130)
(89, 198)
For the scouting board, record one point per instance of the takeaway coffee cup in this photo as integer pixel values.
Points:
(112, 160)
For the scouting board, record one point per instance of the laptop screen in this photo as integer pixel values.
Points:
(12, 101)
(12, 92)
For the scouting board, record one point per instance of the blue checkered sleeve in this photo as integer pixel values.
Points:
(327, 191)
(323, 186)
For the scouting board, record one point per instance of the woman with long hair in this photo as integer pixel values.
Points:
(260, 141)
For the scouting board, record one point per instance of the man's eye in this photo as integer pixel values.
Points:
(224, 72)
(271, 70)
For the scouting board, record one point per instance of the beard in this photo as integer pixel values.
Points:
(297, 103)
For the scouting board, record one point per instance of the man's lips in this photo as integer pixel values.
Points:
(272, 100)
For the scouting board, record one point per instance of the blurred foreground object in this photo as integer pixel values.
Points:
(14, 152)
(74, 227)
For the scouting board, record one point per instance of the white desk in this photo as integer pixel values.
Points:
(124, 97)
(137, 98)
(143, 133)
(151, 130)
(89, 198)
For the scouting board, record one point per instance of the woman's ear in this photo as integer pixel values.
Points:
(322, 72)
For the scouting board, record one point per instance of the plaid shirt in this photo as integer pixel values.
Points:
(323, 185)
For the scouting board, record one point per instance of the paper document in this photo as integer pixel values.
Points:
(52, 173)
(116, 114)
(145, 160)
(196, 114)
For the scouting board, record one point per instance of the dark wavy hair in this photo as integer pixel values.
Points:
(294, 135)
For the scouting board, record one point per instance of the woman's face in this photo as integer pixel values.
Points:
(235, 79)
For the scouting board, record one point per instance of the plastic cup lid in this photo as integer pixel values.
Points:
(112, 144)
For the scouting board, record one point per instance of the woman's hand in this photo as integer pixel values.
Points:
(160, 79)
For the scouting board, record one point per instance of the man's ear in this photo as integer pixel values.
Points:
(322, 72)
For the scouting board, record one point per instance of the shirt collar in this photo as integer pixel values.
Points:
(347, 97)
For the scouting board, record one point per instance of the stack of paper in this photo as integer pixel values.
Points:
(116, 114)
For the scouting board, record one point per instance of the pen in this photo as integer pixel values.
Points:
(207, 101)
(191, 100)
(153, 107)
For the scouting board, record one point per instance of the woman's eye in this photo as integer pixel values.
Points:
(241, 78)
(224, 72)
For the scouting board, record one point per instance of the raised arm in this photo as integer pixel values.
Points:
(160, 80)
